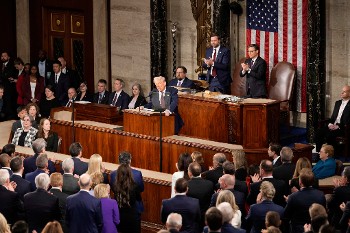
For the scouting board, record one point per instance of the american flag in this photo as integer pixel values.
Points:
(280, 28)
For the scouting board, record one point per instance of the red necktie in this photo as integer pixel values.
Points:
(213, 71)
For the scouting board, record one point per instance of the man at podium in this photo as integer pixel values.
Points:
(165, 99)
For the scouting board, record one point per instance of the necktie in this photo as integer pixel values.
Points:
(213, 71)
(252, 64)
(115, 99)
(179, 83)
(69, 104)
(162, 100)
(56, 78)
(99, 98)
(3, 66)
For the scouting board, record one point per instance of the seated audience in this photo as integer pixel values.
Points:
(187, 207)
(286, 169)
(11, 205)
(198, 158)
(137, 98)
(96, 165)
(298, 203)
(23, 186)
(33, 112)
(302, 162)
(119, 97)
(70, 182)
(240, 162)
(274, 154)
(42, 167)
(53, 227)
(318, 216)
(48, 102)
(102, 95)
(29, 163)
(21, 112)
(326, 166)
(258, 211)
(109, 208)
(228, 197)
(173, 223)
(83, 95)
(127, 193)
(33, 86)
(216, 172)
(40, 206)
(26, 135)
(72, 95)
(182, 170)
(50, 137)
(76, 151)
(181, 80)
(4, 226)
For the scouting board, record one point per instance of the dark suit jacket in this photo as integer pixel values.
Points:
(187, 83)
(83, 213)
(345, 118)
(30, 166)
(340, 194)
(284, 172)
(213, 175)
(9, 170)
(23, 186)
(122, 101)
(221, 64)
(48, 69)
(171, 101)
(61, 88)
(70, 184)
(11, 205)
(141, 101)
(187, 207)
(62, 199)
(80, 167)
(40, 208)
(73, 78)
(345, 218)
(256, 78)
(257, 213)
(31, 178)
(278, 162)
(226, 228)
(137, 175)
(280, 186)
(27, 92)
(87, 97)
(297, 208)
(202, 190)
(104, 100)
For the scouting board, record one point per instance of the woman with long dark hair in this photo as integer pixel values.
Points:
(126, 192)
(33, 86)
(48, 135)
(182, 170)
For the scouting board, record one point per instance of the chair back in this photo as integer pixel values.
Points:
(281, 82)
(238, 85)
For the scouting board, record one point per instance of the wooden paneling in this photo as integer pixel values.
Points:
(8, 38)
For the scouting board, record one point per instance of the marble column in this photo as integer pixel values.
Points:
(22, 30)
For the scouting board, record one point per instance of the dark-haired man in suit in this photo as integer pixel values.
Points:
(76, 151)
(340, 117)
(8, 79)
(71, 74)
(254, 68)
(102, 95)
(119, 98)
(23, 186)
(60, 82)
(181, 80)
(217, 61)
(274, 154)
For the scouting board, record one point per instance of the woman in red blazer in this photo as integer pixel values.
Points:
(33, 86)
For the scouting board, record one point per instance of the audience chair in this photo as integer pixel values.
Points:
(238, 85)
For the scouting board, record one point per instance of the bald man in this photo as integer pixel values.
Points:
(83, 212)
(339, 118)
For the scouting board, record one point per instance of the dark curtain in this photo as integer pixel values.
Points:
(221, 21)
(315, 66)
(159, 43)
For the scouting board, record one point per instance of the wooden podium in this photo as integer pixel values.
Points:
(148, 123)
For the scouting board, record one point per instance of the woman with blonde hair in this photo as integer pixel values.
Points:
(240, 162)
(227, 196)
(53, 227)
(198, 158)
(4, 227)
(96, 165)
(109, 208)
(302, 162)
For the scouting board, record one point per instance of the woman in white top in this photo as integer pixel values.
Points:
(137, 98)
(33, 86)
(182, 170)
(227, 196)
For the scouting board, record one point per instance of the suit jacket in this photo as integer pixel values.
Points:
(226, 228)
(61, 88)
(49, 74)
(9, 170)
(104, 100)
(140, 101)
(30, 165)
(187, 207)
(87, 97)
(187, 83)
(39, 89)
(213, 175)
(62, 200)
(80, 167)
(257, 213)
(280, 186)
(256, 78)
(11, 205)
(137, 175)
(83, 213)
(70, 184)
(23, 186)
(31, 178)
(297, 208)
(110, 214)
(340, 194)
(221, 64)
(284, 172)
(278, 162)
(40, 208)
(73, 78)
(122, 101)
(171, 101)
(345, 118)
(202, 190)
(345, 218)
